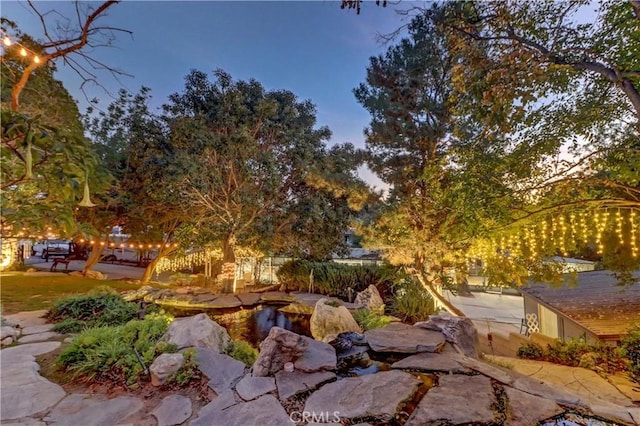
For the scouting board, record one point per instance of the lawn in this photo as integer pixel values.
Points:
(31, 292)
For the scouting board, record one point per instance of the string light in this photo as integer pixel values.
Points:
(24, 51)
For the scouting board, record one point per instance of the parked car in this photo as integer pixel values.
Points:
(55, 248)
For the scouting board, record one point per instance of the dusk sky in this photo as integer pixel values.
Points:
(313, 48)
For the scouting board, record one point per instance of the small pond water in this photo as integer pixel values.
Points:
(573, 419)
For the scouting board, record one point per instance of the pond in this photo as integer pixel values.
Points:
(574, 419)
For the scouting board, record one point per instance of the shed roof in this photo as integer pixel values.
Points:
(597, 302)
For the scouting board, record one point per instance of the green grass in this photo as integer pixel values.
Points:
(21, 292)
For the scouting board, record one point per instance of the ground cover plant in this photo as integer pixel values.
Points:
(598, 357)
(243, 352)
(102, 306)
(22, 292)
(369, 320)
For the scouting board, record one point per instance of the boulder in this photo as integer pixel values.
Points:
(370, 299)
(427, 361)
(139, 294)
(331, 320)
(95, 275)
(459, 331)
(318, 356)
(280, 346)
(197, 331)
(8, 335)
(164, 366)
(403, 338)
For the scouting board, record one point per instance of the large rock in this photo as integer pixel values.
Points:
(164, 366)
(197, 331)
(331, 320)
(290, 384)
(173, 410)
(221, 370)
(9, 335)
(376, 395)
(95, 275)
(457, 330)
(458, 399)
(403, 338)
(280, 346)
(318, 356)
(370, 299)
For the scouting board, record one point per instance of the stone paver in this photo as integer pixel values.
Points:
(457, 399)
(403, 338)
(264, 411)
(36, 329)
(580, 381)
(83, 409)
(224, 400)
(39, 337)
(252, 387)
(225, 301)
(28, 319)
(173, 410)
(222, 370)
(427, 361)
(290, 384)
(249, 299)
(520, 411)
(374, 395)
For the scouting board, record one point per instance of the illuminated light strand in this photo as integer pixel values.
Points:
(8, 42)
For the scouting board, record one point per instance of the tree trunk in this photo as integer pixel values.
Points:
(96, 254)
(438, 296)
(228, 263)
(151, 267)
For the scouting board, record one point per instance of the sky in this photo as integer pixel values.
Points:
(313, 48)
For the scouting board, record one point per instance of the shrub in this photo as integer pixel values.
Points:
(189, 370)
(631, 351)
(100, 307)
(411, 302)
(242, 351)
(369, 320)
(335, 279)
(115, 353)
(530, 351)
(69, 326)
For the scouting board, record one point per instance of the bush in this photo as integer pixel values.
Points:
(411, 302)
(335, 279)
(631, 351)
(189, 370)
(69, 326)
(369, 320)
(242, 351)
(530, 351)
(100, 307)
(107, 353)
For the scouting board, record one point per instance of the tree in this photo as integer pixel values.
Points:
(407, 94)
(242, 157)
(68, 41)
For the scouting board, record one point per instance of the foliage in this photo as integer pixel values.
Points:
(242, 351)
(94, 310)
(577, 353)
(33, 292)
(107, 353)
(411, 302)
(189, 370)
(69, 326)
(369, 320)
(631, 350)
(335, 279)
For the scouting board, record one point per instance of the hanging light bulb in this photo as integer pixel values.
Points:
(36, 59)
(7, 41)
(86, 200)
(23, 52)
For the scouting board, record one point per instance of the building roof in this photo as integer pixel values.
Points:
(560, 259)
(598, 302)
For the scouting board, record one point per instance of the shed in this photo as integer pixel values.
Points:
(594, 308)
